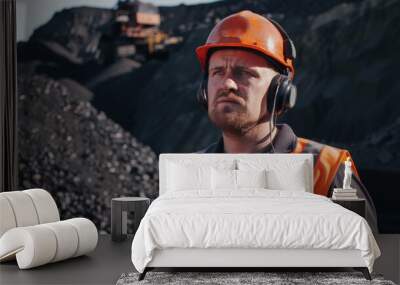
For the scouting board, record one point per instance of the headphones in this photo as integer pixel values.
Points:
(281, 87)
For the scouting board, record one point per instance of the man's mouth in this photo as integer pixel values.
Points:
(230, 100)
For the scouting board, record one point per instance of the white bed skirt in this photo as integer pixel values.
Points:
(235, 257)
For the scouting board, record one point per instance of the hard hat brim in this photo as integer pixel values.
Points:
(203, 50)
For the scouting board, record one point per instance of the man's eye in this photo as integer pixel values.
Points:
(248, 73)
(242, 73)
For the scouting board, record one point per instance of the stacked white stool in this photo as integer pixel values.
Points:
(31, 230)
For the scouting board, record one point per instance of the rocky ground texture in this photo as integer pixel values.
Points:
(78, 154)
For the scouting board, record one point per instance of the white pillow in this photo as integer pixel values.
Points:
(251, 178)
(227, 179)
(187, 177)
(293, 179)
(223, 179)
(281, 174)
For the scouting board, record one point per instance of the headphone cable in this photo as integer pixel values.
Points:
(272, 122)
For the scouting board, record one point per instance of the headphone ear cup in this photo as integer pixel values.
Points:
(202, 93)
(285, 92)
(287, 95)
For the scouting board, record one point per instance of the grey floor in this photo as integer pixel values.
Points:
(110, 259)
(103, 266)
(388, 264)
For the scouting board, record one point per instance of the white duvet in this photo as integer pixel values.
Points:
(252, 218)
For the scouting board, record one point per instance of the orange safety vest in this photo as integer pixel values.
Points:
(327, 160)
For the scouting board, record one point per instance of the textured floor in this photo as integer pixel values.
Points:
(226, 278)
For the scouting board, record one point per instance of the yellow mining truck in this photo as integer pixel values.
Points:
(135, 33)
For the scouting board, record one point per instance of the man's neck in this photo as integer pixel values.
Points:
(255, 141)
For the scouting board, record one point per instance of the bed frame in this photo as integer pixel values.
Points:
(243, 259)
(250, 258)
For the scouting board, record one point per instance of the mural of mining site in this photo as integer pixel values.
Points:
(102, 92)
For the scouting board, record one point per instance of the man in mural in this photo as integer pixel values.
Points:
(248, 70)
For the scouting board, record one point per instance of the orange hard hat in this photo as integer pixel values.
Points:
(249, 30)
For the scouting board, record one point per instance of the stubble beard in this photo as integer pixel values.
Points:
(232, 120)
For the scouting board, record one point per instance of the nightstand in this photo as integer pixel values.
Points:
(120, 207)
(356, 205)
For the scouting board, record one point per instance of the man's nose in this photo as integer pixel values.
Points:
(229, 84)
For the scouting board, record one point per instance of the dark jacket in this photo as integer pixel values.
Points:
(325, 179)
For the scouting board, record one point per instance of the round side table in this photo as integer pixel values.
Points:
(120, 207)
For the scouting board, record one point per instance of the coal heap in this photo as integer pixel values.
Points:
(77, 153)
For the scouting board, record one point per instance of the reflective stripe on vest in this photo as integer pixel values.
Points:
(327, 161)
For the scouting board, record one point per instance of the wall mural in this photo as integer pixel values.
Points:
(102, 95)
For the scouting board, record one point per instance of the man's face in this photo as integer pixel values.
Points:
(237, 83)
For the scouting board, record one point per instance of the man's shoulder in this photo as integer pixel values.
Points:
(327, 154)
(311, 146)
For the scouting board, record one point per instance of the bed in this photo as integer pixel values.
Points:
(247, 210)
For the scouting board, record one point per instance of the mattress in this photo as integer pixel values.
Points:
(251, 219)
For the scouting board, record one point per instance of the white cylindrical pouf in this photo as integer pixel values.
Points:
(46, 207)
(67, 239)
(23, 208)
(7, 218)
(87, 234)
(34, 245)
(40, 244)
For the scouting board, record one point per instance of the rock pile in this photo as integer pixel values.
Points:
(76, 153)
